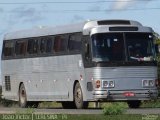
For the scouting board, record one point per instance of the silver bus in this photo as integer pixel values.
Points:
(101, 60)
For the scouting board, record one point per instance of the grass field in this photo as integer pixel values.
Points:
(77, 117)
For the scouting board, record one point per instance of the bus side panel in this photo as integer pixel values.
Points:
(46, 78)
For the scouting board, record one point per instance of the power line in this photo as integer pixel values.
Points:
(105, 10)
(78, 10)
(73, 2)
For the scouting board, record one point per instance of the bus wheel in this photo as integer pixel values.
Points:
(22, 96)
(134, 104)
(78, 97)
(68, 105)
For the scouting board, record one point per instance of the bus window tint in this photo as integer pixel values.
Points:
(49, 45)
(139, 45)
(108, 47)
(32, 46)
(75, 42)
(42, 45)
(60, 43)
(8, 48)
(20, 47)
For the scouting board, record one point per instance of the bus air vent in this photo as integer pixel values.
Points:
(123, 28)
(114, 22)
(7, 83)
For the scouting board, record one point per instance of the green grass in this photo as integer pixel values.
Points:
(145, 104)
(50, 105)
(91, 104)
(102, 117)
(114, 109)
(151, 104)
(81, 117)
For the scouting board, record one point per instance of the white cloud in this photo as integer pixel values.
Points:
(27, 14)
(121, 4)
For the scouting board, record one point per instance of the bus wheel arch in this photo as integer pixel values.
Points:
(78, 96)
(22, 95)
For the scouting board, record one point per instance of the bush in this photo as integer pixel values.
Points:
(151, 104)
(8, 103)
(114, 109)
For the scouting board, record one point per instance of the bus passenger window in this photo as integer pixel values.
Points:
(20, 48)
(42, 45)
(8, 48)
(35, 46)
(49, 45)
(32, 47)
(75, 42)
(57, 43)
(60, 43)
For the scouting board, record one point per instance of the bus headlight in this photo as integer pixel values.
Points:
(151, 83)
(148, 83)
(107, 84)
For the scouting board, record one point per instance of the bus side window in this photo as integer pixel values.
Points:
(42, 45)
(49, 45)
(20, 47)
(60, 43)
(46, 44)
(75, 43)
(32, 47)
(57, 43)
(8, 48)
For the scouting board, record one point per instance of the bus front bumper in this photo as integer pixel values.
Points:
(111, 95)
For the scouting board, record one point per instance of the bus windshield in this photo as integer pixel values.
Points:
(140, 47)
(119, 46)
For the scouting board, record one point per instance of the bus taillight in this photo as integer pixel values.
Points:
(129, 94)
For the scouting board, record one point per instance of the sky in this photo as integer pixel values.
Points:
(24, 14)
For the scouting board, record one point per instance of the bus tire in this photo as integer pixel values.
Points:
(78, 97)
(22, 96)
(134, 104)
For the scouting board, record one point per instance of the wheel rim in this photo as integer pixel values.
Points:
(78, 95)
(22, 96)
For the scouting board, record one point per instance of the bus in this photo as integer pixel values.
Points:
(97, 60)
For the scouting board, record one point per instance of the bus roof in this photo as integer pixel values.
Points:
(71, 28)
(44, 31)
